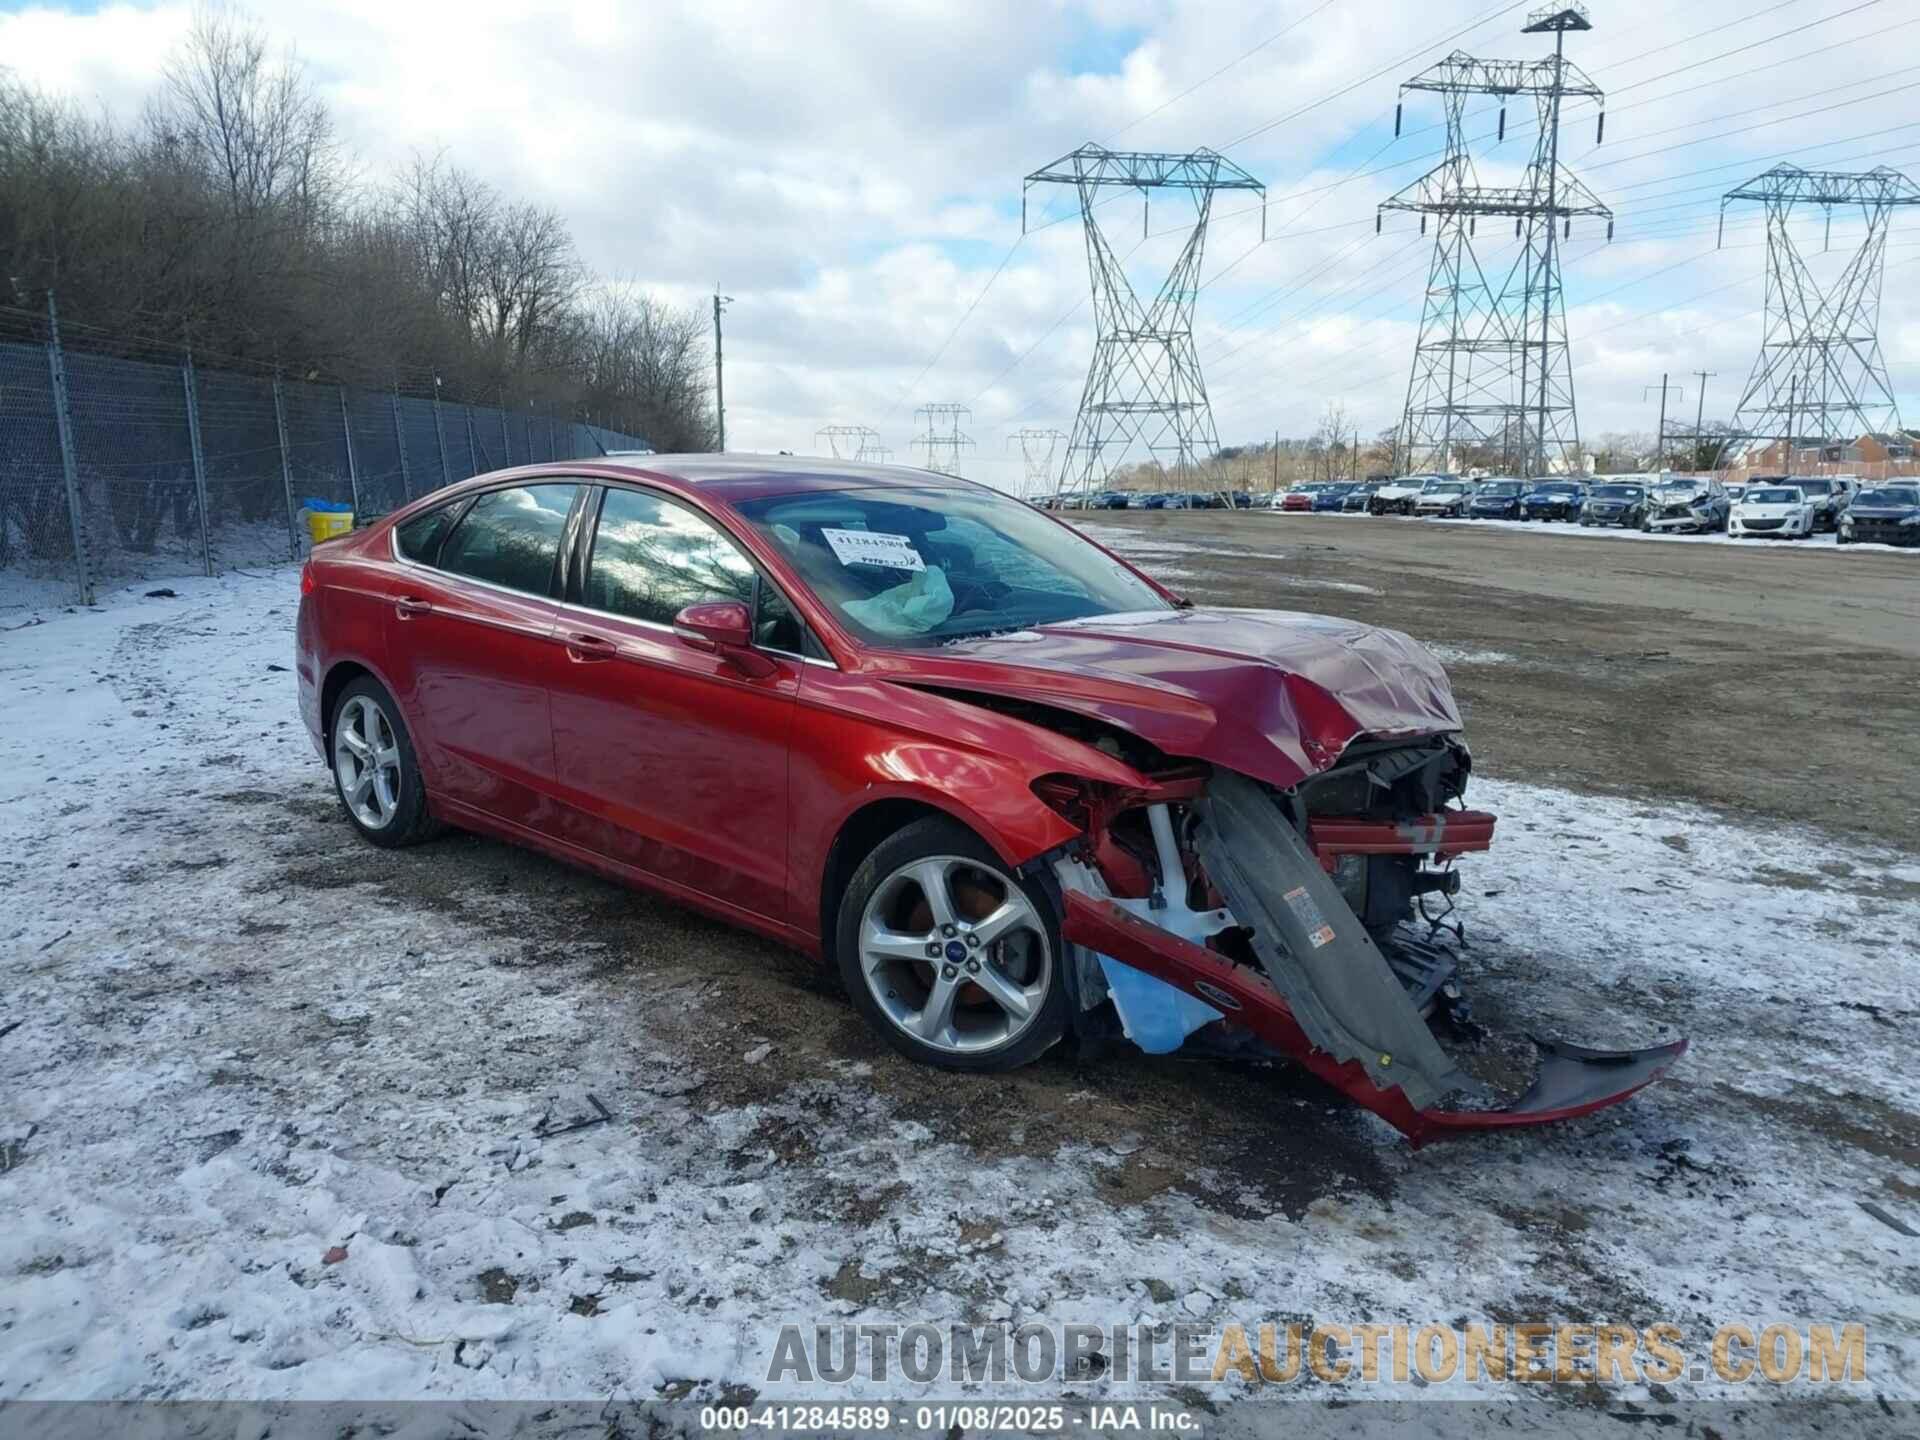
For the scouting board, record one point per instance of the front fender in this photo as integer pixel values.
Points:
(859, 740)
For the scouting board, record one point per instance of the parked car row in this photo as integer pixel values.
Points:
(1774, 506)
(1146, 500)
(1787, 506)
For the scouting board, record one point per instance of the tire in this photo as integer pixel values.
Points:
(896, 986)
(375, 771)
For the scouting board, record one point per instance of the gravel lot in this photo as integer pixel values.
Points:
(234, 1039)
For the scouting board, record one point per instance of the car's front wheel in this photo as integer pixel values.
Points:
(955, 961)
(375, 771)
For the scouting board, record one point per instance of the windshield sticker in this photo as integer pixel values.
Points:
(867, 547)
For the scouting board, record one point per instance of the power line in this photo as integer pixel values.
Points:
(1240, 59)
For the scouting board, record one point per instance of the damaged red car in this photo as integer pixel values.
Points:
(1010, 787)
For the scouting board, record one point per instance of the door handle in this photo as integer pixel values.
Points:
(408, 605)
(586, 648)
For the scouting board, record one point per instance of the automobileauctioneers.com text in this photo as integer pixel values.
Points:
(1490, 1354)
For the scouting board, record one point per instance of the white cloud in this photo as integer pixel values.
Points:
(850, 174)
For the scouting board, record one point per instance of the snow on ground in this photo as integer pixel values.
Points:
(1455, 655)
(270, 1120)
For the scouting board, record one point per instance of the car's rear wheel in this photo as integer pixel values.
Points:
(956, 962)
(375, 771)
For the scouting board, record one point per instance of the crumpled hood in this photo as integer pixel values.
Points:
(1272, 694)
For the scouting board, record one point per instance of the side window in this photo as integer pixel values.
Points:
(775, 626)
(652, 558)
(420, 537)
(511, 537)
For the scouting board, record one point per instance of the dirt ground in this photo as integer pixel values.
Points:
(1767, 681)
(1608, 666)
(207, 962)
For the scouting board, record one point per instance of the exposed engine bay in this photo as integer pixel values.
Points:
(1215, 912)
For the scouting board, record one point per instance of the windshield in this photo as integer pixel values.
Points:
(916, 568)
(1557, 487)
(1897, 496)
(1814, 487)
(1771, 497)
(1618, 492)
(1448, 488)
(1501, 487)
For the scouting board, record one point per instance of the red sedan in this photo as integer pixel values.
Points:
(1012, 788)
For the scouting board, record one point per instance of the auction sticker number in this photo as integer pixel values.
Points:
(871, 547)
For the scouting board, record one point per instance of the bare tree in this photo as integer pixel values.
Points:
(248, 119)
(647, 364)
(232, 218)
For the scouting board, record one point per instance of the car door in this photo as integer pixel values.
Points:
(673, 759)
(471, 646)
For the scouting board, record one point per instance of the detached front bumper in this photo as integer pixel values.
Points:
(1571, 1081)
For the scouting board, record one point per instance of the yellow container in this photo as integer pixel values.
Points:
(326, 524)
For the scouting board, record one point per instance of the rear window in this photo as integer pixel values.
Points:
(511, 537)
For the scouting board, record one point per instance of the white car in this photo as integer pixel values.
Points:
(1772, 511)
(1444, 497)
(1397, 496)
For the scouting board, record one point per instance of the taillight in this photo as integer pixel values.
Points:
(306, 578)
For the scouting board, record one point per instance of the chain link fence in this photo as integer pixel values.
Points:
(114, 471)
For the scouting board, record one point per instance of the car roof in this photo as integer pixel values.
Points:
(730, 479)
(733, 478)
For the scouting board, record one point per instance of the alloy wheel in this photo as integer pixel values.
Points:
(366, 762)
(955, 954)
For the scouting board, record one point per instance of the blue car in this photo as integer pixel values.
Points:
(1553, 500)
(1333, 497)
(1497, 500)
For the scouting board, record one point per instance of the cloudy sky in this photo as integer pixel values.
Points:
(850, 173)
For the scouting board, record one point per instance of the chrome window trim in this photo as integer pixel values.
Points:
(393, 545)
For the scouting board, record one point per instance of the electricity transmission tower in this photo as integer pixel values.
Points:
(942, 439)
(1037, 449)
(1820, 375)
(1491, 368)
(849, 442)
(1144, 383)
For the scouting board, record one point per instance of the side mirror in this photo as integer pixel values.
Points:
(723, 628)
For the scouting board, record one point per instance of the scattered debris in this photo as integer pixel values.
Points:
(758, 1053)
(334, 1256)
(55, 941)
(579, 1120)
(162, 594)
(1892, 1222)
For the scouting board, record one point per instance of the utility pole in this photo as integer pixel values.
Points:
(1700, 413)
(1660, 445)
(719, 374)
